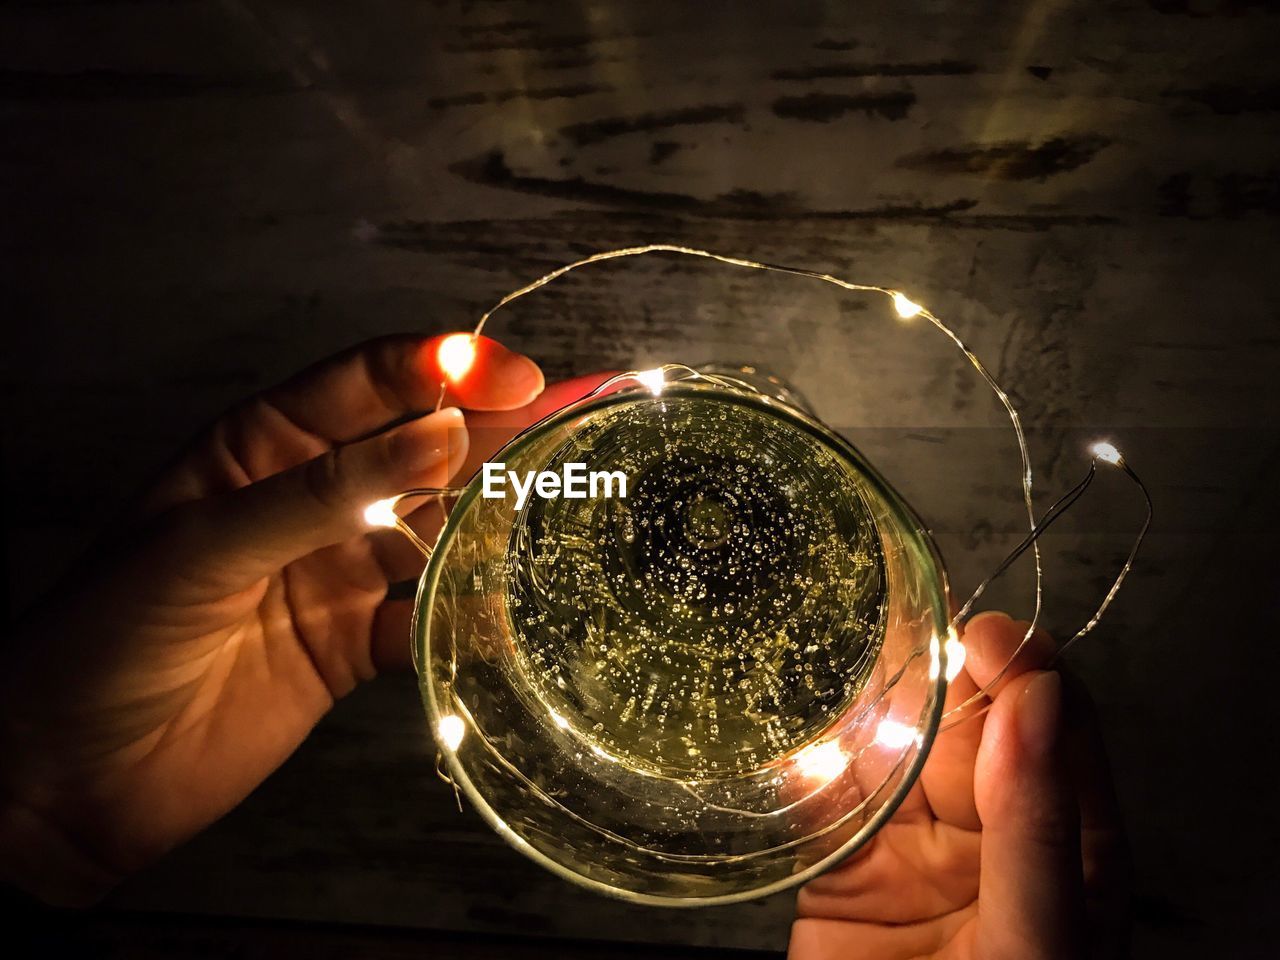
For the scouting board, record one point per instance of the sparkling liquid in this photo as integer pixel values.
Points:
(722, 614)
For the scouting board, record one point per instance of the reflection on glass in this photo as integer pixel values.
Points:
(707, 690)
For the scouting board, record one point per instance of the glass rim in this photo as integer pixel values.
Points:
(916, 535)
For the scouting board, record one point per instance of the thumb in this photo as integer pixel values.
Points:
(1031, 897)
(254, 531)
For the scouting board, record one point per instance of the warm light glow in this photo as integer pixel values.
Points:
(456, 354)
(906, 308)
(822, 762)
(558, 720)
(1107, 452)
(654, 379)
(381, 513)
(955, 655)
(450, 730)
(894, 735)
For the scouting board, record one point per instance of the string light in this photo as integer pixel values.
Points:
(906, 308)
(456, 354)
(450, 730)
(822, 762)
(653, 380)
(895, 735)
(381, 513)
(807, 761)
(1107, 453)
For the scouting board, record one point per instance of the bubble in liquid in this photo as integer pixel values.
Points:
(685, 622)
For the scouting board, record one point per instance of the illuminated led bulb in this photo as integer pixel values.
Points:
(955, 655)
(906, 308)
(653, 380)
(450, 730)
(1107, 453)
(822, 762)
(894, 735)
(456, 354)
(381, 513)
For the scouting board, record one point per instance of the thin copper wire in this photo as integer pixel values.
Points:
(1035, 528)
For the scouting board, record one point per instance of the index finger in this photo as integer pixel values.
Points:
(364, 389)
(491, 431)
(347, 397)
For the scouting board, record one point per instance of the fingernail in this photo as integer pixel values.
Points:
(975, 640)
(456, 428)
(449, 417)
(1040, 713)
(520, 374)
(987, 615)
(425, 443)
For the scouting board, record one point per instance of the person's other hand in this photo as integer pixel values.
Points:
(190, 657)
(1007, 848)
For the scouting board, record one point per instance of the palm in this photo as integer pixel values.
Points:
(201, 661)
(999, 850)
(914, 886)
(262, 667)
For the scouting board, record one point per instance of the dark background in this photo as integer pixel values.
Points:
(201, 196)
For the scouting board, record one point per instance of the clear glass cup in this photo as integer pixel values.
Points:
(710, 690)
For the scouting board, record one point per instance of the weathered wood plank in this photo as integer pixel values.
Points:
(202, 196)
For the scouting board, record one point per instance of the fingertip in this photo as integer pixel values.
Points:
(989, 641)
(429, 450)
(516, 378)
(1039, 712)
(985, 616)
(490, 378)
(993, 641)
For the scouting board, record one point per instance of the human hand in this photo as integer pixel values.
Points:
(1008, 847)
(191, 656)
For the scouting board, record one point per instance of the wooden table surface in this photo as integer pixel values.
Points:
(203, 195)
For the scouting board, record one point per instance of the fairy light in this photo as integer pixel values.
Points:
(653, 380)
(906, 308)
(1107, 453)
(456, 354)
(895, 735)
(381, 513)
(450, 730)
(822, 762)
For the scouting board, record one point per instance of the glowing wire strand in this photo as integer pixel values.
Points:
(1059, 507)
(382, 513)
(906, 309)
(903, 306)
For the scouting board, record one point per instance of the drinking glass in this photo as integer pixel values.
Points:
(708, 690)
